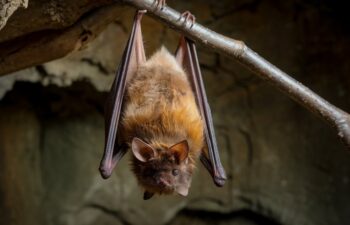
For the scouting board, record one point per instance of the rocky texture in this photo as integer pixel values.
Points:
(49, 30)
(44, 15)
(43, 46)
(284, 166)
(8, 7)
(20, 175)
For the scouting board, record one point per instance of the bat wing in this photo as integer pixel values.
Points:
(133, 56)
(186, 55)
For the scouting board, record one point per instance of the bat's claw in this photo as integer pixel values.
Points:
(159, 4)
(188, 17)
(140, 13)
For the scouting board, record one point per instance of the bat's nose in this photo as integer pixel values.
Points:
(163, 182)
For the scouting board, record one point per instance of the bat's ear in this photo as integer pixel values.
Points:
(180, 150)
(141, 150)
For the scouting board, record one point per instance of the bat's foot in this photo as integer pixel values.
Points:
(188, 17)
(141, 11)
(139, 14)
(159, 4)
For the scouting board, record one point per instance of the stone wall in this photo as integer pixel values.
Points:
(284, 165)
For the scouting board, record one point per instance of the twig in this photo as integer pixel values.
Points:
(337, 118)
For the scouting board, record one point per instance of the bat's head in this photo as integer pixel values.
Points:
(162, 170)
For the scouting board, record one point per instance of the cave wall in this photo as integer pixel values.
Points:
(284, 165)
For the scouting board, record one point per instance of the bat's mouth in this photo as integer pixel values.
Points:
(161, 189)
(164, 183)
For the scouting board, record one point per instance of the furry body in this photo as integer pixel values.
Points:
(160, 109)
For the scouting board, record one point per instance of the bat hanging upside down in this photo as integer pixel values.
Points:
(160, 110)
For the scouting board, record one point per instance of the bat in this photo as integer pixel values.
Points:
(158, 109)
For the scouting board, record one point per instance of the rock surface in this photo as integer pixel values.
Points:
(284, 165)
(8, 7)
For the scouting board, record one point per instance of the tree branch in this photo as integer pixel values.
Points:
(235, 49)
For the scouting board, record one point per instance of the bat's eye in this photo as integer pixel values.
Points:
(175, 172)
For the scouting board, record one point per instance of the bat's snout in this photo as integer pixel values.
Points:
(163, 182)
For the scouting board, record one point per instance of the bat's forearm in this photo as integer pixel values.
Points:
(337, 118)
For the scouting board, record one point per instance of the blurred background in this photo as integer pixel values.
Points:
(284, 165)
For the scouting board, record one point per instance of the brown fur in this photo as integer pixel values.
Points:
(160, 108)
